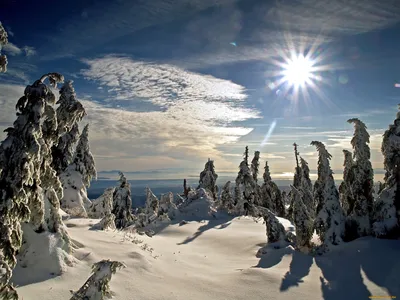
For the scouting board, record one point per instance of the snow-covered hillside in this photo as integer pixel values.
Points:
(216, 258)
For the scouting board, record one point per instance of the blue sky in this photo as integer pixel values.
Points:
(167, 84)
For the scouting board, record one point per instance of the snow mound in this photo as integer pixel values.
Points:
(42, 259)
(198, 205)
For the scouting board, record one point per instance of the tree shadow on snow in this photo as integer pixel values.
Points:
(299, 268)
(342, 275)
(269, 256)
(222, 223)
(383, 270)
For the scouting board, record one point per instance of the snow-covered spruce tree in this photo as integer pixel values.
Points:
(271, 194)
(208, 179)
(69, 113)
(167, 207)
(306, 187)
(103, 205)
(345, 188)
(303, 221)
(152, 206)
(255, 164)
(387, 206)
(29, 188)
(296, 182)
(227, 202)
(97, 286)
(3, 41)
(122, 203)
(359, 219)
(237, 194)
(246, 185)
(77, 177)
(330, 220)
(275, 230)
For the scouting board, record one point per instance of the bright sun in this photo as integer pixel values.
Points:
(298, 71)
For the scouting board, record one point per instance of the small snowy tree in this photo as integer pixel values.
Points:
(227, 201)
(77, 177)
(69, 113)
(296, 182)
(345, 188)
(167, 206)
(97, 286)
(271, 195)
(246, 184)
(152, 205)
(3, 41)
(208, 178)
(359, 218)
(122, 203)
(387, 206)
(103, 205)
(330, 221)
(255, 164)
(306, 187)
(303, 221)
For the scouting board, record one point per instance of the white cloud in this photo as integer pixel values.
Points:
(12, 49)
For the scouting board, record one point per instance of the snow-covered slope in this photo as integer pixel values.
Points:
(216, 259)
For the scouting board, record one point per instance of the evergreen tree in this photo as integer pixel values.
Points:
(345, 188)
(303, 221)
(387, 206)
(296, 182)
(330, 221)
(246, 184)
(227, 201)
(83, 159)
(122, 203)
(69, 113)
(359, 218)
(3, 41)
(167, 206)
(306, 187)
(271, 194)
(152, 206)
(246, 156)
(29, 188)
(97, 286)
(237, 196)
(103, 205)
(208, 179)
(255, 165)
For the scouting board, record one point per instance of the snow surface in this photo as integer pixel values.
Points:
(216, 258)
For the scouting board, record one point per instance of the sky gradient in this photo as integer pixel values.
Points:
(167, 84)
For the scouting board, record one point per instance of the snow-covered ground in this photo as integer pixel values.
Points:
(216, 259)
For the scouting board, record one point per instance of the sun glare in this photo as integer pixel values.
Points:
(298, 71)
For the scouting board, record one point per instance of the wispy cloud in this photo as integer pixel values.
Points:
(13, 50)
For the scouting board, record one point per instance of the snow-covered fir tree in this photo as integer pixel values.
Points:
(122, 203)
(3, 41)
(29, 187)
(296, 182)
(69, 113)
(330, 219)
(237, 194)
(208, 178)
(303, 221)
(306, 187)
(77, 177)
(387, 206)
(247, 186)
(359, 218)
(103, 205)
(271, 195)
(167, 207)
(255, 164)
(83, 158)
(227, 202)
(97, 286)
(152, 205)
(275, 230)
(345, 188)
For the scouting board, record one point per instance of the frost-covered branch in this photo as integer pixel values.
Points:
(3, 41)
(97, 286)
